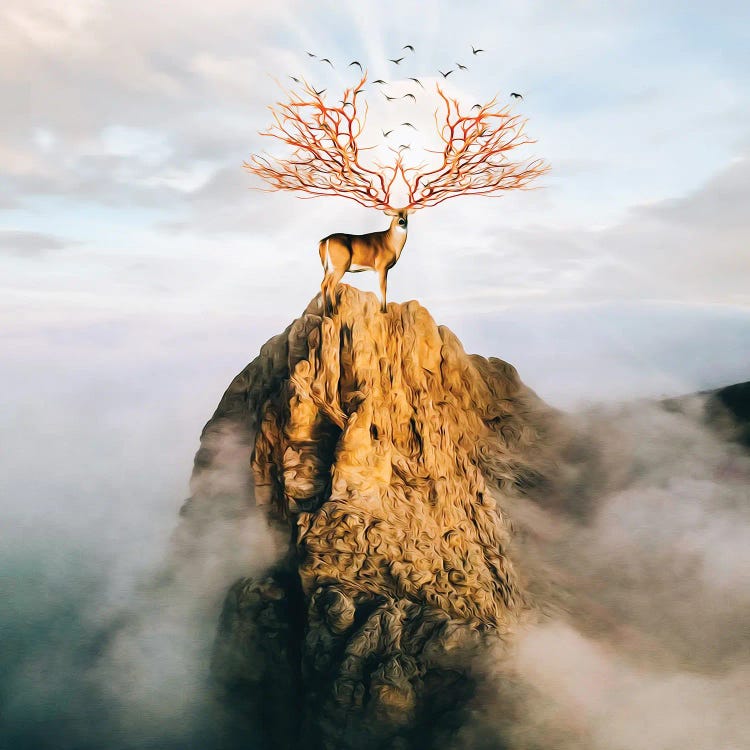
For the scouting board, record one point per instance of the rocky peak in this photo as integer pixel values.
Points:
(380, 451)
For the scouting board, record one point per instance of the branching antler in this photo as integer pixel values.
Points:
(325, 158)
(474, 158)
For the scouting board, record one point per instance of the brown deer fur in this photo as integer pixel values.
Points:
(377, 251)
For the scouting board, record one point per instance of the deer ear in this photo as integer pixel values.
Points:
(410, 211)
(390, 212)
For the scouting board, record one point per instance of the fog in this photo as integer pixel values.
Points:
(643, 642)
(645, 591)
(101, 421)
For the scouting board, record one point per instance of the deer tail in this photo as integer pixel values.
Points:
(325, 255)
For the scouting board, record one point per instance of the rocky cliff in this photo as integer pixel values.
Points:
(380, 454)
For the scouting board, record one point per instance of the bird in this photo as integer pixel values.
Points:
(416, 80)
(389, 98)
(355, 62)
(408, 125)
(318, 93)
(514, 95)
(396, 60)
(325, 59)
(410, 96)
(461, 67)
(296, 80)
(344, 103)
(477, 106)
(380, 80)
(310, 54)
(403, 147)
(386, 133)
(476, 51)
(408, 46)
(445, 75)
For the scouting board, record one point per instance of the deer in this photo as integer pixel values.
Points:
(326, 159)
(352, 253)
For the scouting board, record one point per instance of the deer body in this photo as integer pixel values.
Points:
(377, 251)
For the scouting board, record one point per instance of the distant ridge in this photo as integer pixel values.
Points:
(732, 401)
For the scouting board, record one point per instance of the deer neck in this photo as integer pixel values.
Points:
(397, 237)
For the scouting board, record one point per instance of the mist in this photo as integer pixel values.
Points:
(643, 637)
(105, 643)
(642, 641)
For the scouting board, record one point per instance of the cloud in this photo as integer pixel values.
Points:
(102, 640)
(694, 247)
(691, 249)
(82, 74)
(29, 244)
(642, 643)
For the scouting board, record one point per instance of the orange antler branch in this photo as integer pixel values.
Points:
(325, 158)
(475, 156)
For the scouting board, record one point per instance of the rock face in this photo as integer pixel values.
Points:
(379, 453)
(729, 408)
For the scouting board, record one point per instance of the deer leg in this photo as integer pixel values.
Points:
(383, 287)
(333, 279)
(324, 292)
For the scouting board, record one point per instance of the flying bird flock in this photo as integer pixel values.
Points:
(324, 154)
(405, 55)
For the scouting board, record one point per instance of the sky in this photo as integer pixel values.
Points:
(123, 198)
(139, 270)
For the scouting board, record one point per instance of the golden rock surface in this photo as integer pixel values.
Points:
(381, 452)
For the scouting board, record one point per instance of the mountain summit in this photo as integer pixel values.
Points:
(377, 450)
